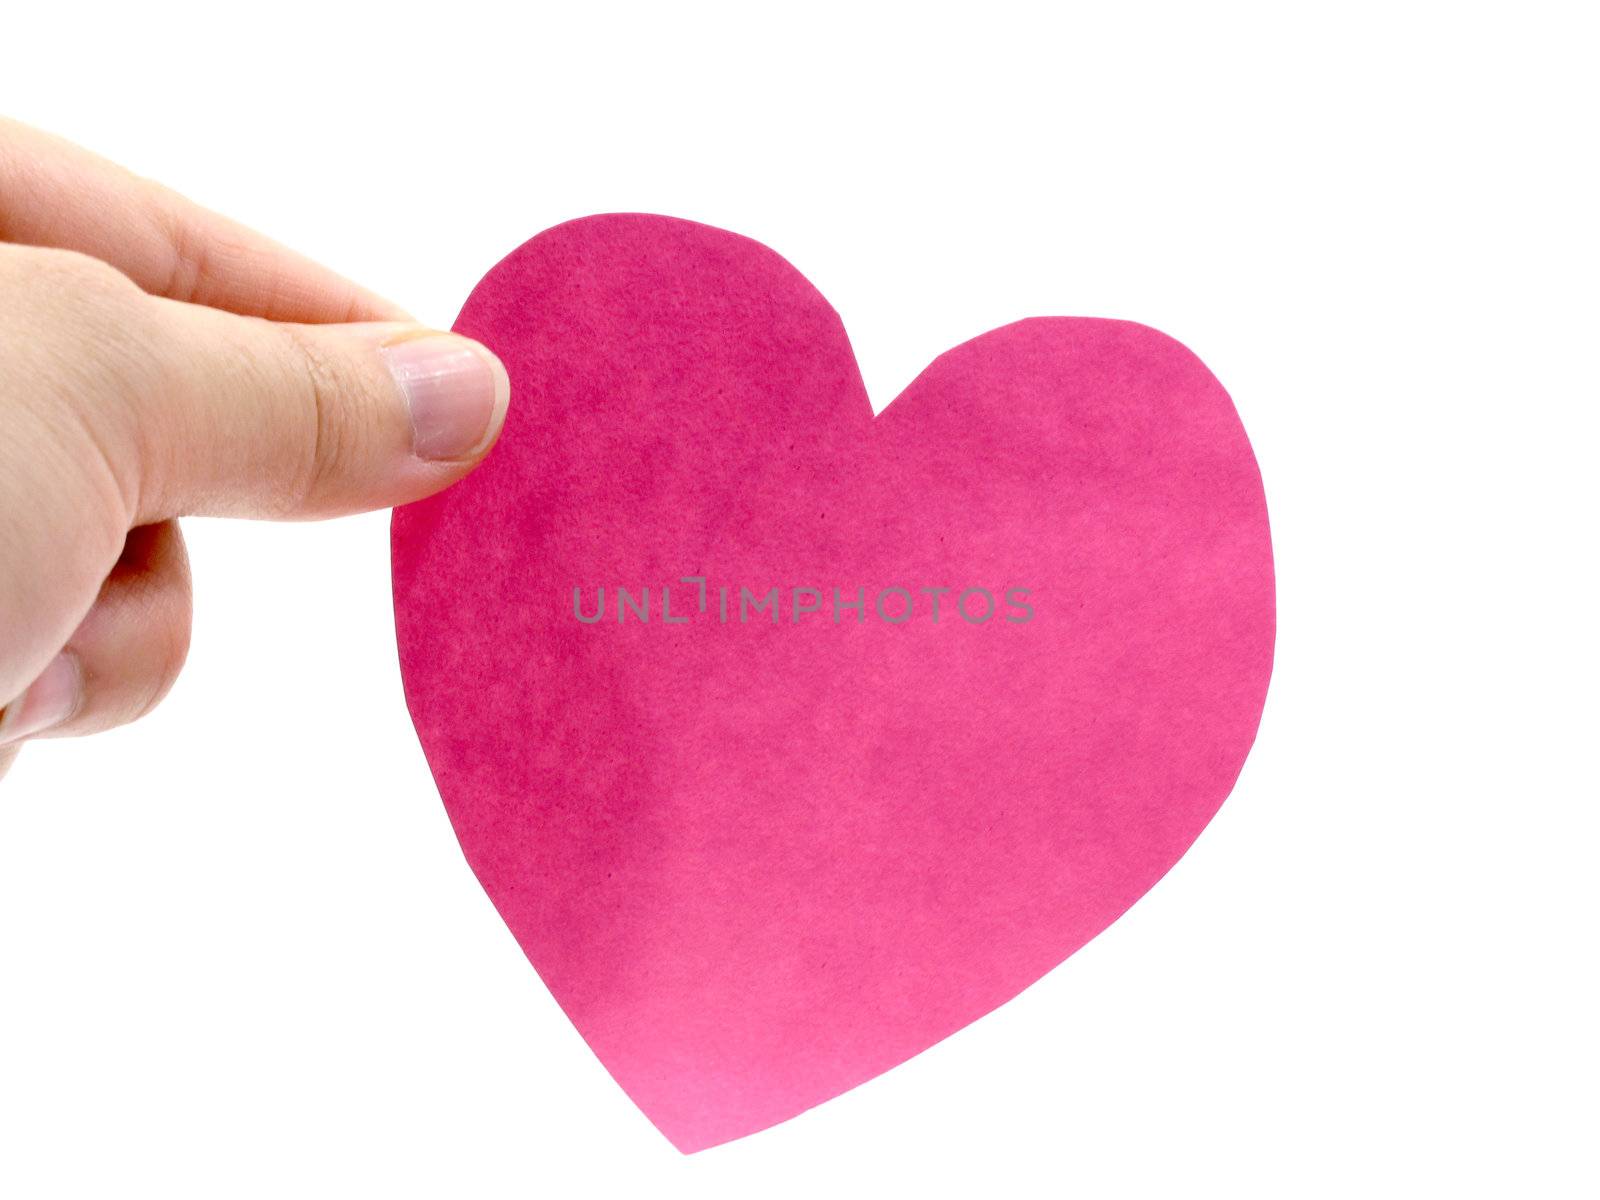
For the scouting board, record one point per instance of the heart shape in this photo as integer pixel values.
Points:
(762, 848)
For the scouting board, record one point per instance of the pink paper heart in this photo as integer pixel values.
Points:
(759, 861)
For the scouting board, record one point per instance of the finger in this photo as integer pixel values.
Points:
(253, 418)
(53, 193)
(125, 656)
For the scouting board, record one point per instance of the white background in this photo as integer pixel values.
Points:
(240, 952)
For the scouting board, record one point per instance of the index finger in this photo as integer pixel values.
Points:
(56, 194)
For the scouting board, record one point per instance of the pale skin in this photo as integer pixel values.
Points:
(159, 361)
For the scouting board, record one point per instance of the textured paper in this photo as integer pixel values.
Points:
(758, 863)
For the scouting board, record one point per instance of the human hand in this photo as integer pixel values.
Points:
(157, 361)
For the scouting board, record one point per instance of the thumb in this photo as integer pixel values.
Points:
(256, 418)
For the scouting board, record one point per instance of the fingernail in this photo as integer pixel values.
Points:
(457, 392)
(52, 699)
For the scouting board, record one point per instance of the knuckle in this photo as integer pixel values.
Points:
(327, 445)
(197, 249)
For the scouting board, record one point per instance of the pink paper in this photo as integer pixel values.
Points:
(760, 861)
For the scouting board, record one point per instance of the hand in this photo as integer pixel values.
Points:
(157, 361)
